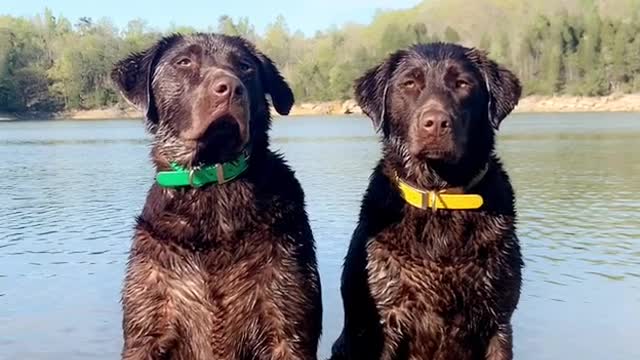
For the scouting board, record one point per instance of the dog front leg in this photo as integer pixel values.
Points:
(361, 336)
(148, 348)
(149, 318)
(501, 344)
(289, 351)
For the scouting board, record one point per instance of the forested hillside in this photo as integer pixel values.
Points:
(576, 47)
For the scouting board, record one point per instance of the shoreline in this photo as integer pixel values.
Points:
(530, 104)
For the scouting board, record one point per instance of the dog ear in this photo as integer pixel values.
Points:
(371, 89)
(133, 77)
(503, 86)
(281, 94)
(275, 85)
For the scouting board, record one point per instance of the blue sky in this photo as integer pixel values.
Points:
(307, 16)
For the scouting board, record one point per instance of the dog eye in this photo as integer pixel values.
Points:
(245, 67)
(462, 84)
(409, 84)
(184, 62)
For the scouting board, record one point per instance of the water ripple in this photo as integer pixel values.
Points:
(70, 205)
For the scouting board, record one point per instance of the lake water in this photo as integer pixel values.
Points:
(69, 192)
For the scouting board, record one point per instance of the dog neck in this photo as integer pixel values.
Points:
(202, 217)
(199, 176)
(423, 187)
(460, 189)
(433, 174)
(453, 198)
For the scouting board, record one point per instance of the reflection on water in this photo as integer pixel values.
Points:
(70, 191)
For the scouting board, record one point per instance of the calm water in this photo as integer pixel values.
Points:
(69, 192)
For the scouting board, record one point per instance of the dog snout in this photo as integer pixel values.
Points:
(226, 85)
(436, 123)
(220, 99)
(433, 132)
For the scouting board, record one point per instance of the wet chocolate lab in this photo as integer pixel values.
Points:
(433, 271)
(223, 262)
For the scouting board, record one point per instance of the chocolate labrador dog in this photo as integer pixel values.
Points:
(223, 261)
(434, 266)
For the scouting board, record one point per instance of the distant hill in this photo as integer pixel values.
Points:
(575, 47)
(472, 19)
(556, 47)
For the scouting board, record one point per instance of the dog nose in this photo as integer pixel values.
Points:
(436, 123)
(225, 86)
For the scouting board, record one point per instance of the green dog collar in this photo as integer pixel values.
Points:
(200, 176)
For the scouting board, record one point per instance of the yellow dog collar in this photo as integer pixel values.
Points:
(448, 199)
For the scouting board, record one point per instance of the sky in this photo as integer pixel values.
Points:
(307, 16)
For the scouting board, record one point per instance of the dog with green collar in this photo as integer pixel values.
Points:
(223, 263)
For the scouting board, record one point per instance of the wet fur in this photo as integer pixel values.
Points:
(430, 285)
(219, 272)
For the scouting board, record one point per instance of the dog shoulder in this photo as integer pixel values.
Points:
(277, 189)
(381, 204)
(275, 176)
(498, 191)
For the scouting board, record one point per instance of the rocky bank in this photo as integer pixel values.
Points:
(531, 104)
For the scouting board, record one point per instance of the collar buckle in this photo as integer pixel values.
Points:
(434, 202)
(424, 204)
(220, 174)
(434, 196)
(191, 174)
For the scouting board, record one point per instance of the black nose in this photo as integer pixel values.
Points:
(225, 86)
(436, 123)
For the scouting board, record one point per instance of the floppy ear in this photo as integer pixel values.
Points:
(133, 77)
(275, 85)
(502, 85)
(371, 89)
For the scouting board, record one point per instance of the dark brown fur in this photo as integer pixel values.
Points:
(223, 271)
(419, 284)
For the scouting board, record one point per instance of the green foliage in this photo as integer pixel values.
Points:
(485, 41)
(450, 35)
(394, 37)
(276, 41)
(226, 25)
(501, 49)
(48, 63)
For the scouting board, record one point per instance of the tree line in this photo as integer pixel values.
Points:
(49, 63)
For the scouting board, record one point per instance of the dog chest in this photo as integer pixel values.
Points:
(221, 297)
(439, 276)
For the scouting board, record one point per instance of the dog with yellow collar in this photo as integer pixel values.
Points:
(433, 270)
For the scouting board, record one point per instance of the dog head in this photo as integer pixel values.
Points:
(204, 96)
(438, 103)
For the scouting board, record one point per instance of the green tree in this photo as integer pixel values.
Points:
(394, 37)
(137, 36)
(420, 32)
(8, 101)
(503, 53)
(485, 42)
(181, 29)
(276, 41)
(46, 63)
(243, 28)
(620, 70)
(450, 35)
(552, 63)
